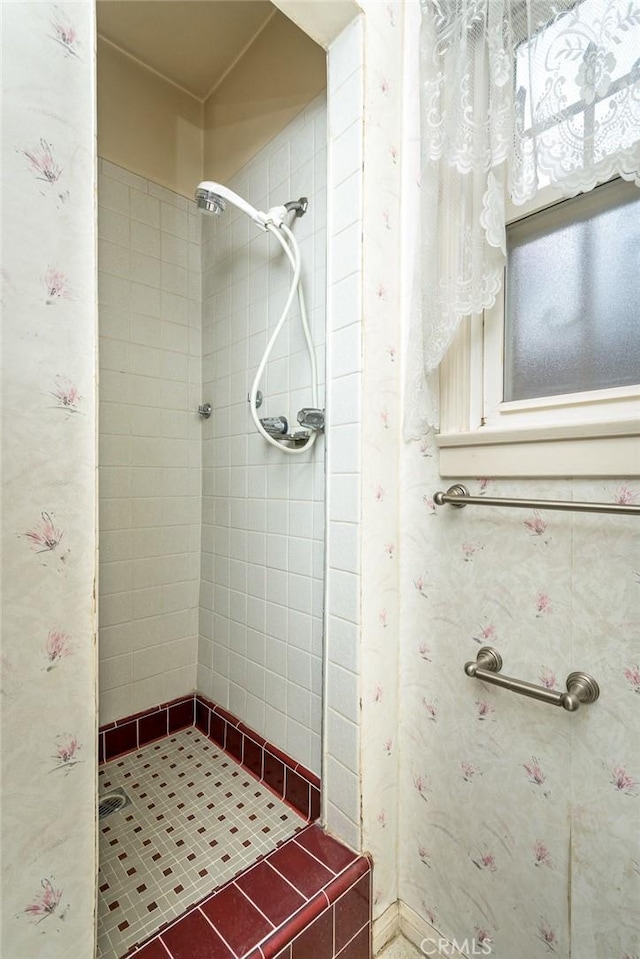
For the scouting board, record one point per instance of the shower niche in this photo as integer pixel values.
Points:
(211, 526)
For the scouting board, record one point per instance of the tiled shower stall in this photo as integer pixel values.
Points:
(212, 562)
(211, 541)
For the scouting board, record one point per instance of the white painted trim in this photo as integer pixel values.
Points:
(321, 21)
(386, 927)
(416, 930)
(593, 456)
(594, 433)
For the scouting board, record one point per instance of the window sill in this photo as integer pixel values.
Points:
(598, 449)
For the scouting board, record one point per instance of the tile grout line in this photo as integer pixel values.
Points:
(218, 933)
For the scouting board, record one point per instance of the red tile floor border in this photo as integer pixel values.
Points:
(287, 778)
(309, 899)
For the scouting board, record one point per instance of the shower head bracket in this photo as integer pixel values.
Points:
(299, 207)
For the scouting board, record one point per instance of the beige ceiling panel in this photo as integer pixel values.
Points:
(191, 42)
(283, 72)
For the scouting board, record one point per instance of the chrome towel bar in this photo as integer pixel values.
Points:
(581, 688)
(458, 495)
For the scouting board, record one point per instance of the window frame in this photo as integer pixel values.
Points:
(593, 433)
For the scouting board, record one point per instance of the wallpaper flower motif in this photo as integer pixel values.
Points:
(45, 535)
(66, 754)
(527, 773)
(42, 162)
(56, 284)
(57, 648)
(49, 794)
(64, 32)
(66, 395)
(45, 903)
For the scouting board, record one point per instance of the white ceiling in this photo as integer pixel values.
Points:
(194, 43)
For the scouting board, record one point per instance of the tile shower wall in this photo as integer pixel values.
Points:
(150, 436)
(260, 644)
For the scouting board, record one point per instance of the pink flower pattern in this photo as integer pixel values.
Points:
(548, 678)
(469, 550)
(624, 496)
(424, 652)
(543, 604)
(392, 353)
(536, 525)
(428, 502)
(623, 782)
(485, 861)
(66, 395)
(390, 550)
(430, 913)
(431, 710)
(388, 746)
(424, 856)
(64, 33)
(45, 537)
(483, 709)
(468, 771)
(632, 675)
(43, 163)
(482, 936)
(420, 584)
(487, 634)
(383, 618)
(547, 935)
(421, 785)
(541, 855)
(379, 494)
(534, 772)
(45, 903)
(57, 647)
(56, 285)
(66, 755)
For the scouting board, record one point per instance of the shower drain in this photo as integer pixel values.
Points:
(112, 802)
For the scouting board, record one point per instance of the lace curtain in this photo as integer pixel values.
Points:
(516, 95)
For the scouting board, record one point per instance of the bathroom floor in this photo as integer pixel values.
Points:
(196, 819)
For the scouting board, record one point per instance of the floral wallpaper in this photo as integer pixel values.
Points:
(47, 667)
(505, 798)
(381, 420)
(497, 819)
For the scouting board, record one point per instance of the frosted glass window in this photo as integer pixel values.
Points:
(572, 315)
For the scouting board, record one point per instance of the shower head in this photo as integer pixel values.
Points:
(213, 198)
(210, 202)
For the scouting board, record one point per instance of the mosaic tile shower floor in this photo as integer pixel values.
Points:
(196, 819)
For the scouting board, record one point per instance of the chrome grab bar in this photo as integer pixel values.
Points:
(458, 496)
(581, 688)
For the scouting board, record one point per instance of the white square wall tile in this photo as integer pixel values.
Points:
(346, 253)
(343, 692)
(346, 104)
(260, 604)
(345, 54)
